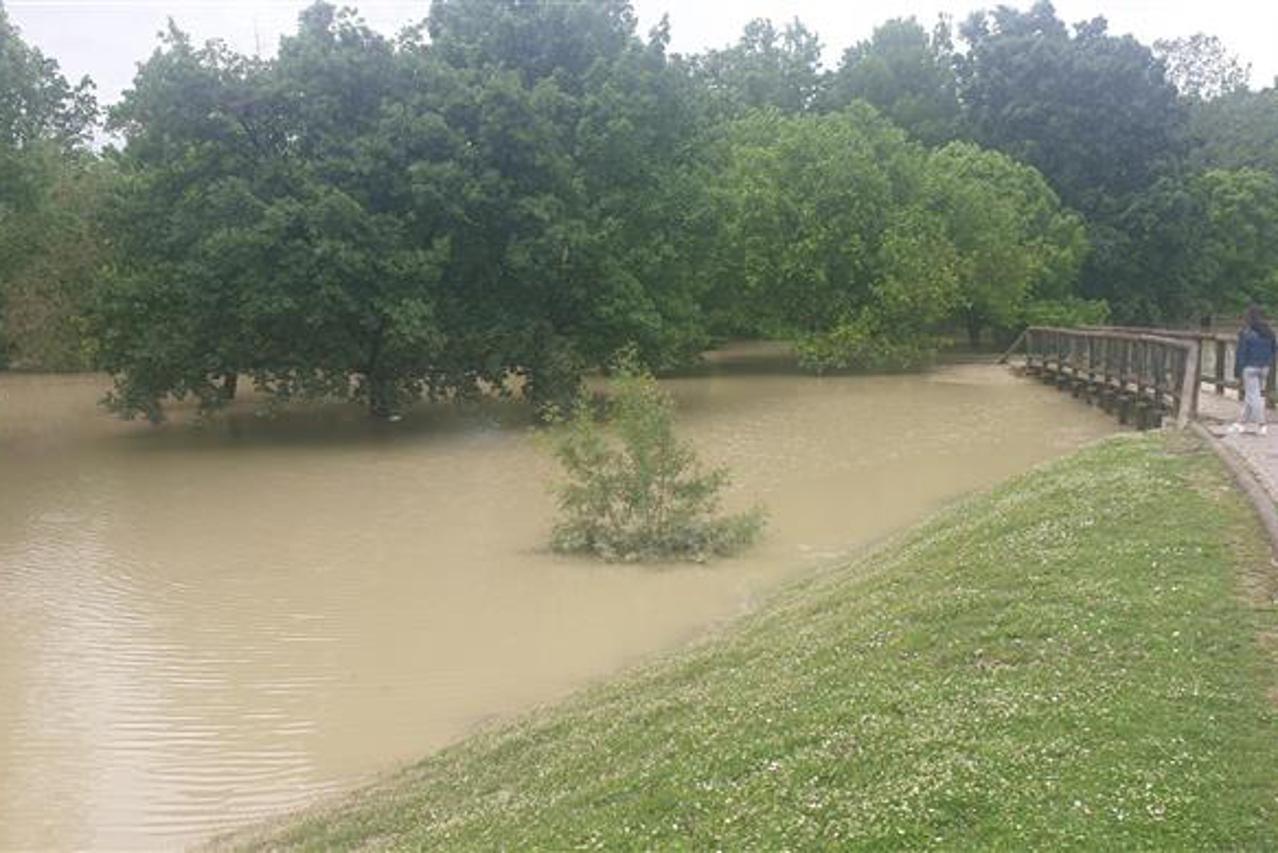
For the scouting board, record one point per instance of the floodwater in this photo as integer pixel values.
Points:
(204, 626)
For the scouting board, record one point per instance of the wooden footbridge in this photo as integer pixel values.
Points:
(1144, 376)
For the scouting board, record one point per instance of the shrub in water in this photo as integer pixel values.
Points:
(860, 346)
(635, 492)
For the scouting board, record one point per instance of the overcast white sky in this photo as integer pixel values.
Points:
(106, 38)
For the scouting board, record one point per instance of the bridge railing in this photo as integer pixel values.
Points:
(1216, 354)
(1143, 376)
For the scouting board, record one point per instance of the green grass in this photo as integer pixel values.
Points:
(1076, 659)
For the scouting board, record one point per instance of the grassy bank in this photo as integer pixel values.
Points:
(1072, 660)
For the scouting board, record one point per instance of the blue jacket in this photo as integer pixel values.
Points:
(1254, 350)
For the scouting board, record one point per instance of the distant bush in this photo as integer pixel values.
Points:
(1067, 312)
(634, 491)
(854, 346)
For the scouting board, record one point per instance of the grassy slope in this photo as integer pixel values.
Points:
(1071, 660)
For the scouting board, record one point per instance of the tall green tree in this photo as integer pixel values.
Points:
(1236, 130)
(49, 247)
(767, 67)
(260, 238)
(1014, 243)
(37, 103)
(1093, 112)
(1240, 251)
(379, 219)
(1191, 247)
(582, 250)
(827, 238)
(908, 75)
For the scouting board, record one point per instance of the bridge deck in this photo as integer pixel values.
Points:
(1260, 452)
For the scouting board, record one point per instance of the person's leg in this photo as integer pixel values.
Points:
(1243, 404)
(1262, 416)
(1253, 408)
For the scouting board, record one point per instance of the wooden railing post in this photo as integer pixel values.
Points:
(1220, 367)
(1187, 407)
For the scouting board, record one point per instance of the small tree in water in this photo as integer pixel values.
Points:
(641, 495)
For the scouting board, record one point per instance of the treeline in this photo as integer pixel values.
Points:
(505, 196)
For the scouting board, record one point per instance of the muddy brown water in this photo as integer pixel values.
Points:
(201, 627)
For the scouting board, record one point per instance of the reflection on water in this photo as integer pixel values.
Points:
(203, 626)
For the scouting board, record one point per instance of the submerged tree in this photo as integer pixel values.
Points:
(1018, 252)
(243, 253)
(823, 228)
(585, 208)
(635, 491)
(841, 234)
(381, 219)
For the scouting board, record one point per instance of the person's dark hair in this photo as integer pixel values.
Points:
(1255, 319)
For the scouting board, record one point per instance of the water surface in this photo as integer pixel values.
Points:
(200, 627)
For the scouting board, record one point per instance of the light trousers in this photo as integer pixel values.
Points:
(1253, 410)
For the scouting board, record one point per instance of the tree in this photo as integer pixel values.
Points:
(49, 247)
(54, 253)
(1240, 253)
(1015, 244)
(37, 104)
(827, 238)
(1236, 130)
(1093, 112)
(1201, 67)
(765, 68)
(640, 492)
(907, 75)
(384, 220)
(1195, 246)
(258, 235)
(535, 38)
(582, 249)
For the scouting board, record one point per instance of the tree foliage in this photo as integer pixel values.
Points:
(1193, 247)
(49, 185)
(1201, 67)
(1235, 131)
(383, 220)
(825, 233)
(767, 67)
(636, 491)
(908, 75)
(500, 198)
(840, 232)
(1014, 244)
(1093, 112)
(37, 103)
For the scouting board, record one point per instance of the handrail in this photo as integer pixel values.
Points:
(1198, 335)
(1139, 373)
(1117, 334)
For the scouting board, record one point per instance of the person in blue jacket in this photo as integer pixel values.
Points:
(1254, 359)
